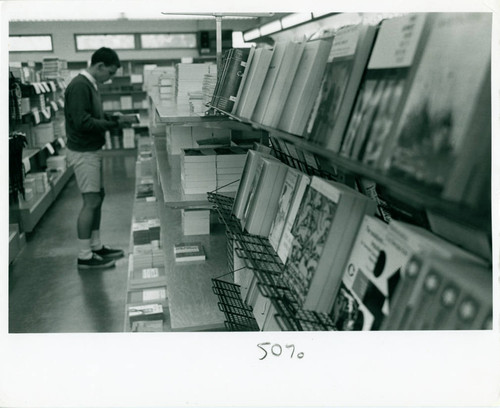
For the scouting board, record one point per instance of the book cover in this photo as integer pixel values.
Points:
(323, 233)
(360, 299)
(189, 251)
(244, 77)
(286, 239)
(283, 83)
(284, 202)
(270, 79)
(305, 87)
(347, 61)
(385, 82)
(263, 200)
(251, 163)
(447, 113)
(442, 294)
(147, 276)
(254, 82)
(147, 295)
(236, 65)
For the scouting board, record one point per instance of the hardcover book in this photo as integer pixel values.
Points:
(446, 119)
(385, 83)
(243, 80)
(323, 233)
(145, 312)
(348, 58)
(147, 295)
(147, 276)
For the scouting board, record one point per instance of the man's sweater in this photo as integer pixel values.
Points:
(86, 123)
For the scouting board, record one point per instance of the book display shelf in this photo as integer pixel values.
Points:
(365, 217)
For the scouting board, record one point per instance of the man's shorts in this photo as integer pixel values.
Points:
(88, 170)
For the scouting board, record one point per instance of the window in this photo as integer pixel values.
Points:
(186, 40)
(26, 43)
(89, 42)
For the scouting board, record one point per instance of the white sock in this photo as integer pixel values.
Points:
(95, 240)
(85, 250)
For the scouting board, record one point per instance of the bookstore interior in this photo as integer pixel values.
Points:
(292, 171)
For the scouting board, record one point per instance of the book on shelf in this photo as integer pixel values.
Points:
(444, 131)
(252, 160)
(385, 83)
(347, 61)
(283, 84)
(189, 252)
(243, 80)
(147, 295)
(272, 74)
(256, 76)
(292, 182)
(442, 294)
(128, 117)
(234, 67)
(323, 233)
(153, 311)
(305, 87)
(360, 299)
(263, 200)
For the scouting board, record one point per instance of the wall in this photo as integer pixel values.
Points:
(64, 43)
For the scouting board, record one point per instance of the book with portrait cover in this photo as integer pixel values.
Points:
(323, 233)
(385, 83)
(347, 61)
(443, 137)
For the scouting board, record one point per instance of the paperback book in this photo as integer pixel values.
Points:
(446, 120)
(189, 252)
(347, 61)
(385, 83)
(323, 233)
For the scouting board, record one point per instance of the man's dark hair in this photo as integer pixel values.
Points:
(107, 56)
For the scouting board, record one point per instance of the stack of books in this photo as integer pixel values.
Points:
(189, 78)
(230, 162)
(208, 87)
(53, 68)
(189, 252)
(166, 87)
(195, 221)
(198, 170)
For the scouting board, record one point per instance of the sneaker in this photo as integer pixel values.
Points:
(95, 262)
(109, 253)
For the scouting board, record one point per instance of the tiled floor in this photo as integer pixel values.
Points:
(47, 294)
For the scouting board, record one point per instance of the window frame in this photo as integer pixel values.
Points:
(33, 35)
(76, 35)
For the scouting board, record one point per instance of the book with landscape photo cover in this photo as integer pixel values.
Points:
(347, 61)
(445, 125)
(189, 252)
(388, 76)
(323, 232)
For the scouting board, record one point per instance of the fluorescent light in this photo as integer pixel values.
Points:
(270, 28)
(294, 19)
(251, 35)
